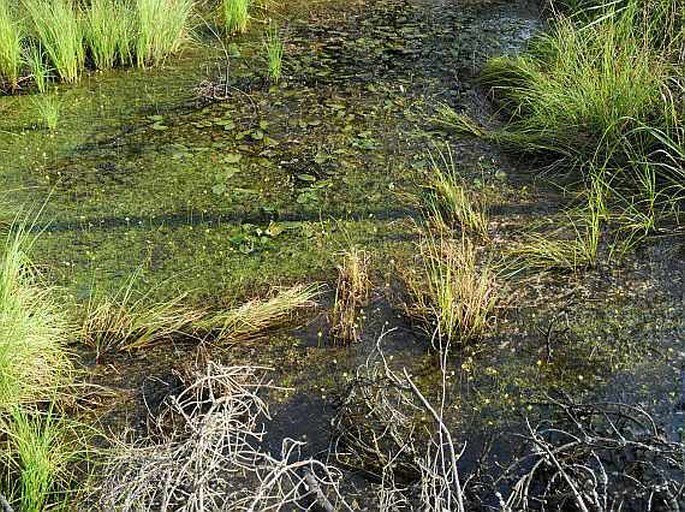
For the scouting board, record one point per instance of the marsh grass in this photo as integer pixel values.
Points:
(41, 448)
(258, 315)
(557, 250)
(451, 199)
(39, 71)
(48, 106)
(11, 46)
(57, 28)
(235, 15)
(161, 28)
(453, 292)
(351, 292)
(580, 89)
(273, 48)
(129, 320)
(33, 331)
(109, 29)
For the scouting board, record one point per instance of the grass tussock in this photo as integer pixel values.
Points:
(11, 46)
(258, 315)
(33, 331)
(48, 108)
(352, 291)
(40, 450)
(109, 28)
(39, 70)
(273, 48)
(56, 26)
(161, 28)
(452, 291)
(451, 201)
(235, 15)
(579, 90)
(130, 320)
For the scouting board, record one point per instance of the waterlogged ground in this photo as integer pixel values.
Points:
(225, 199)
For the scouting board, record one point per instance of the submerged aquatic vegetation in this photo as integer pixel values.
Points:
(33, 331)
(11, 46)
(351, 292)
(57, 27)
(109, 28)
(235, 15)
(161, 27)
(273, 45)
(452, 291)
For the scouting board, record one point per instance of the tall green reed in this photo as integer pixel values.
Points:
(161, 27)
(57, 27)
(11, 46)
(109, 26)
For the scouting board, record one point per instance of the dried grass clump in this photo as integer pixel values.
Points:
(258, 315)
(453, 292)
(129, 320)
(352, 291)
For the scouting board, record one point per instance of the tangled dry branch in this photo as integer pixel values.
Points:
(213, 459)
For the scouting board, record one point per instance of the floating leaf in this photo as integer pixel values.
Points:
(219, 188)
(306, 177)
(233, 158)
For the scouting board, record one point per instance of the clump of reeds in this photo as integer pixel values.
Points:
(39, 71)
(452, 200)
(273, 46)
(161, 27)
(109, 26)
(130, 320)
(351, 293)
(258, 315)
(11, 46)
(235, 15)
(57, 27)
(581, 88)
(33, 331)
(48, 107)
(452, 291)
(40, 448)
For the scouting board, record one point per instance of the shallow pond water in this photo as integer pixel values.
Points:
(227, 198)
